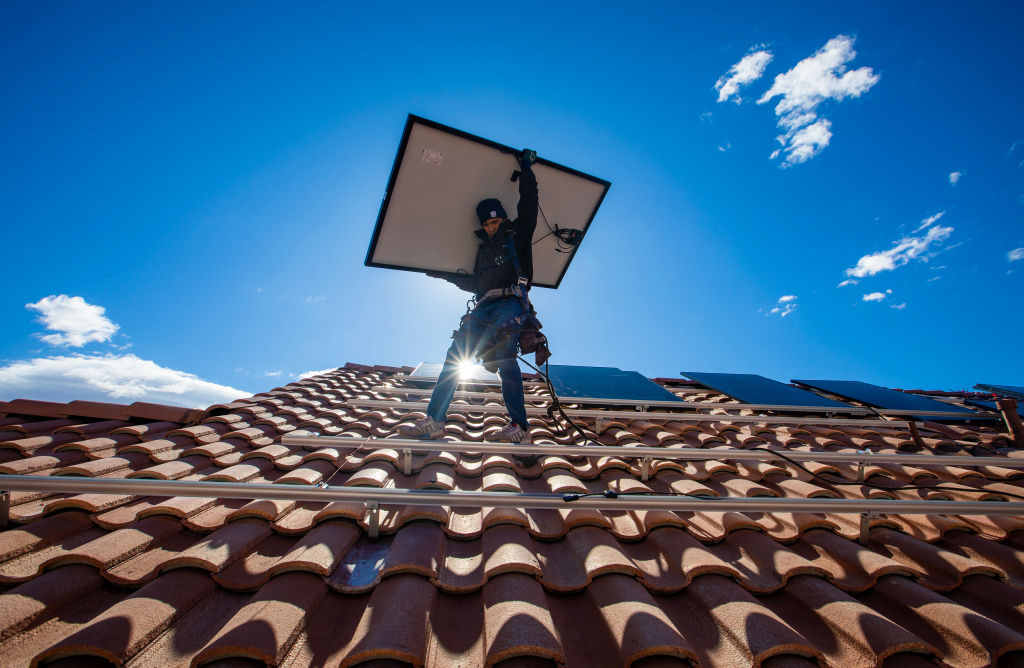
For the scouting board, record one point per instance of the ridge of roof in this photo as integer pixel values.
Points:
(139, 410)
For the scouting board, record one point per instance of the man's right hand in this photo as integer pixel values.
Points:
(527, 156)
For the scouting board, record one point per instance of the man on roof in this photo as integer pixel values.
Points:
(501, 278)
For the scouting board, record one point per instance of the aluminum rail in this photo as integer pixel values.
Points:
(628, 452)
(440, 497)
(828, 410)
(683, 417)
(374, 497)
(526, 383)
(852, 410)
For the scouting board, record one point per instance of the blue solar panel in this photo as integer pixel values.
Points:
(1004, 390)
(606, 382)
(753, 389)
(882, 397)
(473, 374)
(991, 405)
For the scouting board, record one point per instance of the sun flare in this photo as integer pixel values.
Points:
(467, 368)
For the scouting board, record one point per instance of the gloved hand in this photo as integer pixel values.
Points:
(527, 156)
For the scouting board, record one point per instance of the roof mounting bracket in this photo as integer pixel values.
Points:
(915, 434)
(5, 509)
(865, 525)
(373, 517)
(861, 464)
(406, 461)
(645, 468)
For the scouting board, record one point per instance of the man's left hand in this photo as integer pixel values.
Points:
(527, 156)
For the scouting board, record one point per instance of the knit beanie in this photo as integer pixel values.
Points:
(490, 208)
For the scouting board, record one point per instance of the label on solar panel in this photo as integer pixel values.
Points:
(751, 388)
(882, 397)
(606, 382)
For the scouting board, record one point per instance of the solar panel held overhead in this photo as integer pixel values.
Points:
(427, 219)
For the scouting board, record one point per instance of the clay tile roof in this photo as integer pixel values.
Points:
(130, 579)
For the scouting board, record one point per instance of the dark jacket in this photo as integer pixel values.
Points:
(494, 267)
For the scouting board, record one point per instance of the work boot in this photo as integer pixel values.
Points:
(513, 433)
(427, 428)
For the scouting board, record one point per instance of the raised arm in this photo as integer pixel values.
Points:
(527, 221)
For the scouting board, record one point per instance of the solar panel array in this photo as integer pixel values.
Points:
(882, 397)
(754, 389)
(471, 373)
(606, 382)
(1012, 391)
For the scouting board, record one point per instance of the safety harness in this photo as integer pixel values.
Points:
(531, 340)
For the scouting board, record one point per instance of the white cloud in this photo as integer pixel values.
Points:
(902, 252)
(749, 69)
(954, 177)
(929, 221)
(76, 321)
(874, 297)
(848, 281)
(1015, 254)
(810, 82)
(807, 142)
(314, 300)
(308, 374)
(899, 307)
(274, 374)
(118, 378)
(786, 305)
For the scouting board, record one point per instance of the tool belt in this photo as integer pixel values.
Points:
(500, 293)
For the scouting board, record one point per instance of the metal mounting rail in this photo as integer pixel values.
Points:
(642, 404)
(529, 383)
(647, 454)
(374, 497)
(467, 381)
(682, 417)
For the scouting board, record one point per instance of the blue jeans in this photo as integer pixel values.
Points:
(478, 334)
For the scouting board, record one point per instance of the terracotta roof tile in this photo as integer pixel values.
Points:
(302, 582)
(517, 621)
(267, 626)
(26, 603)
(125, 628)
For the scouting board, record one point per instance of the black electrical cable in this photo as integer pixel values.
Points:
(566, 240)
(556, 405)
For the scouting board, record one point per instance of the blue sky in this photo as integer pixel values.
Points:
(188, 191)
